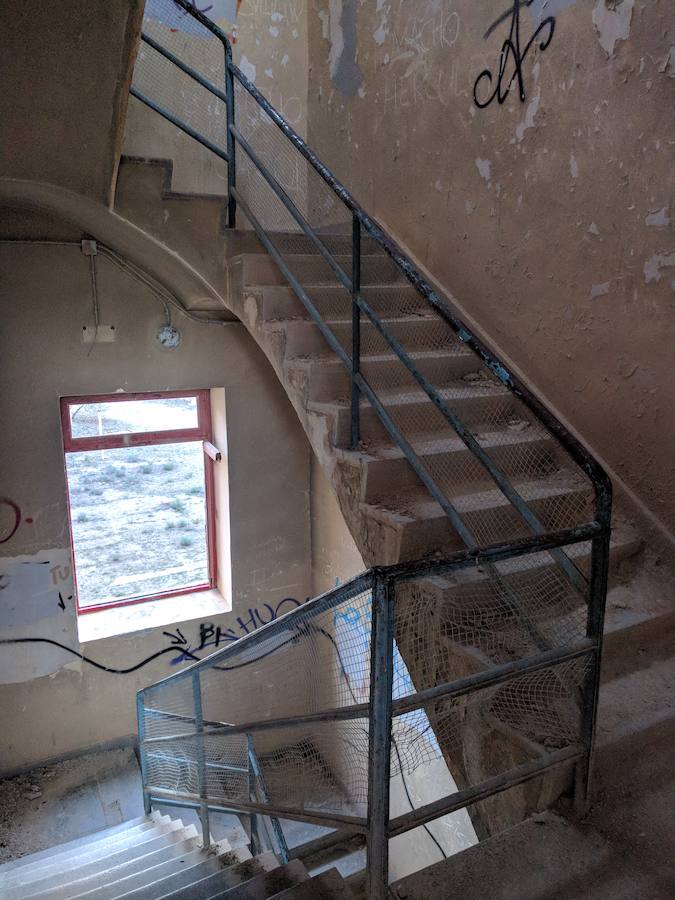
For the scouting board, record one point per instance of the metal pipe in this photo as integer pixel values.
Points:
(201, 760)
(334, 820)
(595, 626)
(142, 759)
(169, 116)
(342, 713)
(231, 150)
(260, 779)
(379, 738)
(478, 792)
(177, 61)
(491, 677)
(356, 333)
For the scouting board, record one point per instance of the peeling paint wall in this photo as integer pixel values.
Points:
(53, 701)
(547, 215)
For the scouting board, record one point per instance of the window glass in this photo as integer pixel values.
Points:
(132, 416)
(138, 514)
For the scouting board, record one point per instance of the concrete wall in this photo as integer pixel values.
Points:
(61, 703)
(549, 218)
(65, 70)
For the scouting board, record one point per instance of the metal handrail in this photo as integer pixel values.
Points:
(382, 581)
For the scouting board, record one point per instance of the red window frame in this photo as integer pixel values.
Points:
(202, 432)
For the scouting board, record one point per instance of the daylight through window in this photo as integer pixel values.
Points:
(140, 490)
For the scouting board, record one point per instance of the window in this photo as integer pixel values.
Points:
(139, 472)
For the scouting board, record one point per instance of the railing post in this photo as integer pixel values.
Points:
(356, 329)
(255, 833)
(591, 687)
(142, 757)
(231, 158)
(379, 737)
(201, 759)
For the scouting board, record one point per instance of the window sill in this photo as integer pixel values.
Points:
(106, 623)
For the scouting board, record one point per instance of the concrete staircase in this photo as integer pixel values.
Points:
(158, 857)
(390, 514)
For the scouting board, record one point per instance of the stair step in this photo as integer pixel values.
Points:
(219, 883)
(530, 453)
(108, 857)
(302, 338)
(422, 527)
(312, 269)
(482, 406)
(202, 866)
(268, 884)
(636, 715)
(327, 379)
(100, 845)
(132, 874)
(335, 302)
(289, 242)
(328, 885)
(143, 822)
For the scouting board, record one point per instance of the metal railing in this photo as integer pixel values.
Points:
(291, 199)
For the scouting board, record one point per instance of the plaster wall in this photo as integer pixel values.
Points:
(62, 704)
(65, 70)
(548, 218)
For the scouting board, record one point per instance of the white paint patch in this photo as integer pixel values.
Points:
(247, 68)
(574, 166)
(276, 17)
(612, 22)
(483, 166)
(532, 106)
(593, 229)
(599, 290)
(654, 264)
(36, 601)
(658, 218)
(469, 206)
(361, 92)
(274, 31)
(269, 73)
(285, 59)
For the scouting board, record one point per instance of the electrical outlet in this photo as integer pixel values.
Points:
(105, 334)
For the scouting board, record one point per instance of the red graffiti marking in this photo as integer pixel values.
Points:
(5, 501)
(28, 520)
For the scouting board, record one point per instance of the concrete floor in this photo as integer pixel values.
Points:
(60, 802)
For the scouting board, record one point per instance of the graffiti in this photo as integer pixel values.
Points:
(511, 51)
(60, 573)
(211, 635)
(15, 514)
(428, 31)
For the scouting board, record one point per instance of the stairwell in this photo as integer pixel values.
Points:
(387, 509)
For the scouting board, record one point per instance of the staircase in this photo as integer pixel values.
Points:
(486, 522)
(155, 857)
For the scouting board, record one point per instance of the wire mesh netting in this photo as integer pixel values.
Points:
(315, 663)
(165, 84)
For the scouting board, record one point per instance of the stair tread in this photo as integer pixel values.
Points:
(386, 320)
(67, 846)
(329, 885)
(327, 362)
(636, 700)
(88, 864)
(91, 849)
(430, 444)
(416, 506)
(398, 397)
(219, 883)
